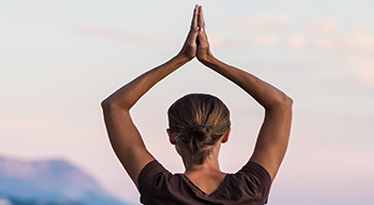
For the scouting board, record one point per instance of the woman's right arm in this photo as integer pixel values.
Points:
(124, 136)
(273, 137)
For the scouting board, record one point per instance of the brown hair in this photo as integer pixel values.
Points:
(198, 121)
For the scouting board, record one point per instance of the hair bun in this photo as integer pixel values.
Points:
(200, 132)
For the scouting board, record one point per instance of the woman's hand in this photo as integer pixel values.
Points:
(203, 52)
(189, 48)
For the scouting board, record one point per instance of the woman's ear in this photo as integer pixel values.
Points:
(225, 136)
(171, 136)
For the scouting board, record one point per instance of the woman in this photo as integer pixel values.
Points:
(199, 124)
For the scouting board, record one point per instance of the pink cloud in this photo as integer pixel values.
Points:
(297, 41)
(323, 25)
(118, 33)
(267, 40)
(360, 42)
(361, 38)
(98, 31)
(324, 43)
(263, 22)
(359, 49)
(364, 68)
(28, 125)
(216, 40)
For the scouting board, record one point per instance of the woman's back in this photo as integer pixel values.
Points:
(249, 186)
(206, 180)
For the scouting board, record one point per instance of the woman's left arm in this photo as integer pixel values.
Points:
(124, 136)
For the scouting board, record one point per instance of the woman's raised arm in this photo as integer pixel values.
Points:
(124, 136)
(273, 137)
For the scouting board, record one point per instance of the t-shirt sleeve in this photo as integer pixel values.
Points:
(257, 178)
(149, 174)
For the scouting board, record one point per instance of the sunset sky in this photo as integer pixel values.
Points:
(59, 59)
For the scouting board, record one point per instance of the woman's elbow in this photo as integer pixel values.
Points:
(111, 103)
(283, 102)
(107, 104)
(288, 101)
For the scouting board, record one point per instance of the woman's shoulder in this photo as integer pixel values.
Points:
(150, 170)
(254, 171)
(251, 175)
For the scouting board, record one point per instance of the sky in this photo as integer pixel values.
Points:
(60, 59)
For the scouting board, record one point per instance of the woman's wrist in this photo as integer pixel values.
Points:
(181, 58)
(208, 60)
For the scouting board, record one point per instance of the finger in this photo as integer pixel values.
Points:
(201, 21)
(193, 35)
(202, 33)
(203, 39)
(194, 17)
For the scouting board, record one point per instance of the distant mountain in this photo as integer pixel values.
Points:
(50, 182)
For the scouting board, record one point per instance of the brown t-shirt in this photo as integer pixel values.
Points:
(249, 186)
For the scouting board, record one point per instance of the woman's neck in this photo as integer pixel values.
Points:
(207, 176)
(210, 164)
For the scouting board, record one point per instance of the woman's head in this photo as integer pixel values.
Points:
(197, 122)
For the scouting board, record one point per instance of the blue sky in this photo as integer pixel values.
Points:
(58, 60)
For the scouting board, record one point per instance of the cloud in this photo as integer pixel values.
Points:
(356, 48)
(267, 40)
(118, 33)
(364, 68)
(324, 43)
(98, 31)
(323, 25)
(216, 40)
(359, 47)
(361, 38)
(297, 41)
(359, 42)
(262, 22)
(27, 126)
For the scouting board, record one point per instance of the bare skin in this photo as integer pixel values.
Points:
(127, 142)
(206, 176)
